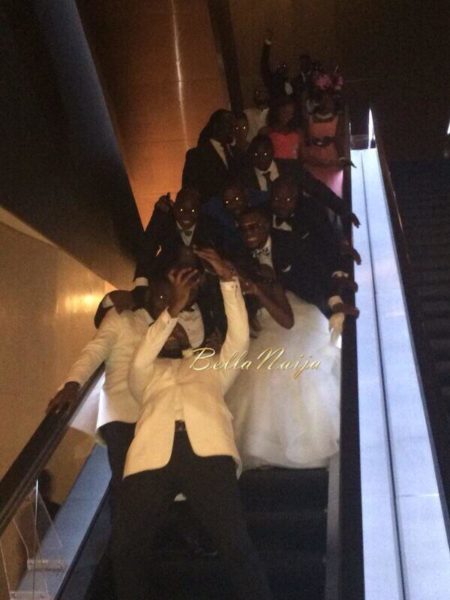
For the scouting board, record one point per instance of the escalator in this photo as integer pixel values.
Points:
(287, 519)
(422, 191)
(306, 524)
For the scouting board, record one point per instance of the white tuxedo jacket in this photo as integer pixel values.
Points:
(167, 387)
(114, 344)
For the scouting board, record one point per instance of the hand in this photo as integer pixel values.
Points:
(64, 398)
(249, 287)
(346, 283)
(346, 162)
(182, 280)
(336, 326)
(122, 300)
(165, 203)
(224, 269)
(345, 309)
(354, 220)
(348, 250)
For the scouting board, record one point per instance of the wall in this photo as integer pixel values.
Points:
(62, 170)
(47, 301)
(298, 25)
(160, 69)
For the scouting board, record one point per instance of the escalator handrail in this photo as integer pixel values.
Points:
(21, 476)
(350, 582)
(435, 410)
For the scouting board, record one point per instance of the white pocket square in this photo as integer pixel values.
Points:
(286, 269)
(305, 236)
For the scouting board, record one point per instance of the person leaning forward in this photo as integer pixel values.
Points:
(184, 442)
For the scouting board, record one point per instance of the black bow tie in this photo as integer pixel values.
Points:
(261, 252)
(289, 221)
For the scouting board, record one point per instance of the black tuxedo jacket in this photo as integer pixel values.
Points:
(206, 171)
(301, 266)
(309, 185)
(162, 237)
(272, 80)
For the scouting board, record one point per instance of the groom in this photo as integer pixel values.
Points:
(184, 443)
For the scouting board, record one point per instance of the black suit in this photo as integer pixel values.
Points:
(273, 81)
(205, 170)
(162, 237)
(305, 258)
(162, 243)
(307, 183)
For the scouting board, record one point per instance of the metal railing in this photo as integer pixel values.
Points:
(435, 409)
(23, 473)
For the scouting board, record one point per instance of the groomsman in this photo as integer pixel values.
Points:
(184, 443)
(261, 170)
(214, 160)
(298, 262)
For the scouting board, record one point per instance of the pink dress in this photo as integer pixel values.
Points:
(323, 149)
(286, 145)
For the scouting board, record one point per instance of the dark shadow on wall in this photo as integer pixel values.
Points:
(62, 172)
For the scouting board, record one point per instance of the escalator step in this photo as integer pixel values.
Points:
(440, 348)
(431, 277)
(443, 370)
(439, 308)
(284, 489)
(435, 292)
(295, 575)
(438, 250)
(305, 530)
(445, 391)
(435, 263)
(437, 328)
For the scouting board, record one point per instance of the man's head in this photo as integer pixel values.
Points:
(158, 296)
(220, 126)
(284, 197)
(261, 97)
(240, 127)
(282, 113)
(186, 208)
(235, 199)
(254, 226)
(282, 69)
(260, 152)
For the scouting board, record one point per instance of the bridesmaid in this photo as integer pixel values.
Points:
(282, 128)
(323, 152)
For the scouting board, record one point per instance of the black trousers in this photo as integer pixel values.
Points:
(118, 437)
(211, 488)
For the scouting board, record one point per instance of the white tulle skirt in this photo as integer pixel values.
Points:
(285, 416)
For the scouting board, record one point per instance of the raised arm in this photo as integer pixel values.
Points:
(266, 73)
(157, 334)
(147, 352)
(272, 297)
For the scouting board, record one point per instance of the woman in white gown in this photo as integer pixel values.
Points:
(285, 416)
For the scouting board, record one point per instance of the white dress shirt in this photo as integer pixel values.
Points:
(262, 181)
(264, 254)
(186, 238)
(162, 383)
(220, 151)
(114, 343)
(283, 227)
(192, 322)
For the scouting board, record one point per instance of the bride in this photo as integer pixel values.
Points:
(286, 403)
